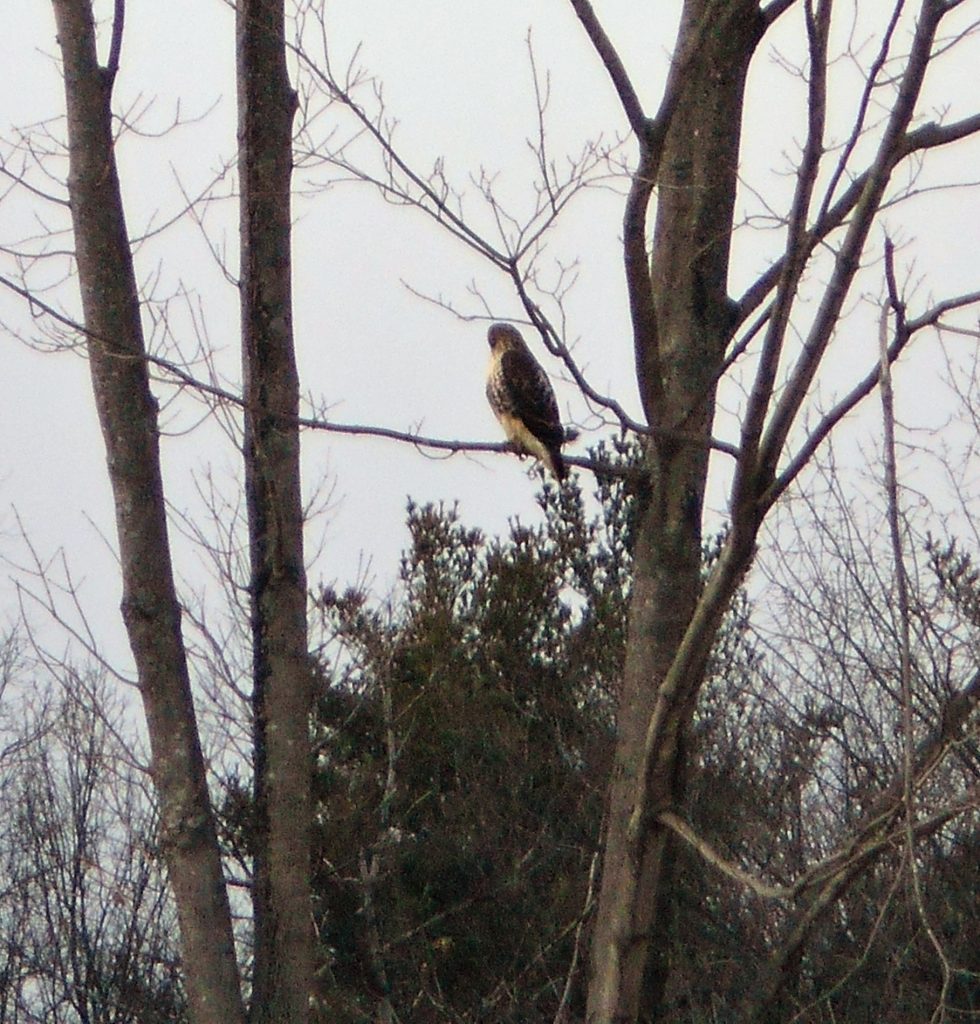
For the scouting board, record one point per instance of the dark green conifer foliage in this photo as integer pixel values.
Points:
(463, 735)
(464, 740)
(463, 746)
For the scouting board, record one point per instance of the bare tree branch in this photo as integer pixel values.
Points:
(848, 258)
(562, 1013)
(621, 81)
(903, 611)
(818, 32)
(776, 9)
(115, 46)
(929, 136)
(819, 434)
(680, 827)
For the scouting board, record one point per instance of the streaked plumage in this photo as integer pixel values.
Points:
(522, 399)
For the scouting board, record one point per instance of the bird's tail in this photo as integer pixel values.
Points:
(557, 464)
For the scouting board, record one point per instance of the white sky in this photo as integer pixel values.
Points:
(456, 77)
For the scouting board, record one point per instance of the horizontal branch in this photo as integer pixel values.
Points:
(226, 397)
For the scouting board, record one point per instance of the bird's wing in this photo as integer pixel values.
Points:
(532, 396)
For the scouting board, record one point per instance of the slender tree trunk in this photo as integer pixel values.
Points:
(678, 359)
(283, 681)
(128, 415)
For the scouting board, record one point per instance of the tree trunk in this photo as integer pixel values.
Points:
(678, 359)
(283, 681)
(128, 415)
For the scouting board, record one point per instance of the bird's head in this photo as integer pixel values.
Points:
(503, 336)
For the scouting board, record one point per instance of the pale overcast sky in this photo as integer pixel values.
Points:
(457, 78)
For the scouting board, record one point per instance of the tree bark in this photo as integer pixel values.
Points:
(678, 359)
(128, 416)
(682, 323)
(283, 680)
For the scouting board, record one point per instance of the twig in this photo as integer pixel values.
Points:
(902, 594)
(561, 1014)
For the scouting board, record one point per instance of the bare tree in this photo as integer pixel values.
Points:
(282, 694)
(128, 414)
(85, 921)
(282, 671)
(683, 325)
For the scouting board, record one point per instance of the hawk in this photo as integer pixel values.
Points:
(521, 397)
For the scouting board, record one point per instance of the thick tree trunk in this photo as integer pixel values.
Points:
(681, 325)
(283, 681)
(677, 363)
(128, 415)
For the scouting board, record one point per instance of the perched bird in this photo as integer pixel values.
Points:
(521, 397)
